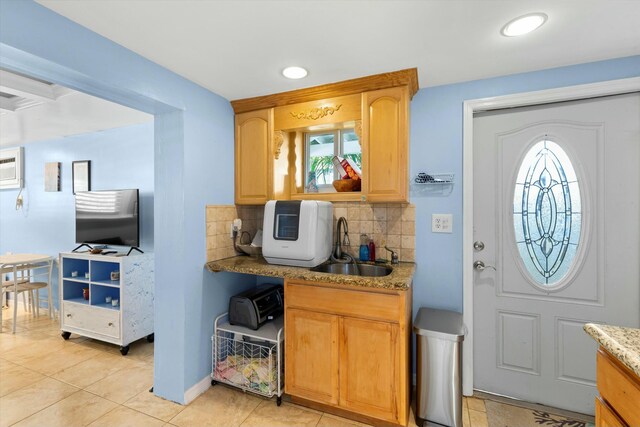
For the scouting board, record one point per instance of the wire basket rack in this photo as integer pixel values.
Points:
(247, 359)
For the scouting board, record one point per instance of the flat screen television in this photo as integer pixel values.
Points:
(108, 217)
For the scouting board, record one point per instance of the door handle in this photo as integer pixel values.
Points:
(480, 266)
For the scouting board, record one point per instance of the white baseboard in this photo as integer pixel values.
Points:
(197, 389)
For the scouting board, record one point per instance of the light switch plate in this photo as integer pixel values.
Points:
(442, 223)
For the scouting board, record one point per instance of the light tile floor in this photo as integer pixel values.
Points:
(46, 381)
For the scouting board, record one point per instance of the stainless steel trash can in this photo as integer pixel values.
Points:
(439, 336)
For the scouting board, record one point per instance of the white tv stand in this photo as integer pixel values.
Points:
(123, 324)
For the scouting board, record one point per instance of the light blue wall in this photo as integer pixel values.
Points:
(193, 164)
(120, 158)
(436, 146)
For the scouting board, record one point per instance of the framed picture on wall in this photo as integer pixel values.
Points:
(52, 176)
(81, 176)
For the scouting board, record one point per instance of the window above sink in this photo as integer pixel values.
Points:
(321, 147)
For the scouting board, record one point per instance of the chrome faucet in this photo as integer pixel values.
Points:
(394, 256)
(338, 255)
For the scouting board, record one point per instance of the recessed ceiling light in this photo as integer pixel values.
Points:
(524, 24)
(294, 72)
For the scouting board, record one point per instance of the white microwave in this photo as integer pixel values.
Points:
(297, 233)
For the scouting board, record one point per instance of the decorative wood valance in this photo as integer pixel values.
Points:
(408, 77)
(315, 113)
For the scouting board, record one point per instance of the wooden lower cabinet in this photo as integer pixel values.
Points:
(369, 354)
(311, 361)
(605, 416)
(353, 360)
(619, 400)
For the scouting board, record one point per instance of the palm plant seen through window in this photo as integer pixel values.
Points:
(322, 146)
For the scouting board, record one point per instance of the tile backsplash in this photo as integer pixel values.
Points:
(392, 224)
(219, 219)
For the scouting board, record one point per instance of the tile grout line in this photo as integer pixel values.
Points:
(250, 413)
(57, 372)
(152, 416)
(37, 412)
(79, 389)
(47, 331)
(106, 413)
(39, 373)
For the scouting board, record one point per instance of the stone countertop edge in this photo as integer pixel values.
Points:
(399, 279)
(623, 343)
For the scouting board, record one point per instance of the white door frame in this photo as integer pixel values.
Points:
(592, 90)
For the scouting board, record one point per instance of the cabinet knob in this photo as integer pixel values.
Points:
(68, 315)
(110, 323)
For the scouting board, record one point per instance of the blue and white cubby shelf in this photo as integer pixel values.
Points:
(125, 279)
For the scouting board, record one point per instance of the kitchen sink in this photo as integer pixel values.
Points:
(367, 270)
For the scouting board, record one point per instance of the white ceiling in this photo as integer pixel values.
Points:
(34, 110)
(237, 48)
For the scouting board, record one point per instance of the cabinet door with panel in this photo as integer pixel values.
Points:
(348, 349)
(312, 358)
(369, 367)
(619, 391)
(605, 416)
(253, 162)
(385, 129)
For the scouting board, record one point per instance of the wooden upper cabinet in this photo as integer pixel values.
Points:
(253, 157)
(385, 133)
(270, 138)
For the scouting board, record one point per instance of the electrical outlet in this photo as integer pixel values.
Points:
(441, 223)
(236, 225)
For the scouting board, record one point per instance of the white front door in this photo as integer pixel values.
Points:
(556, 209)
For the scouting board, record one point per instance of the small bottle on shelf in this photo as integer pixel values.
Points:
(372, 250)
(364, 249)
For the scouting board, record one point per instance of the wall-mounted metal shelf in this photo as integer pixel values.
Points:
(424, 178)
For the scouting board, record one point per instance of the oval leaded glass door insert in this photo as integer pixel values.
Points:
(547, 213)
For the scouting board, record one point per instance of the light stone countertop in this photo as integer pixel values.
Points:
(399, 279)
(623, 343)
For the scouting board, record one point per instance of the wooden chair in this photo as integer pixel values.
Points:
(30, 279)
(7, 287)
(39, 278)
(21, 277)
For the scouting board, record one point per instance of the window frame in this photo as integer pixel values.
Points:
(338, 149)
(585, 202)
